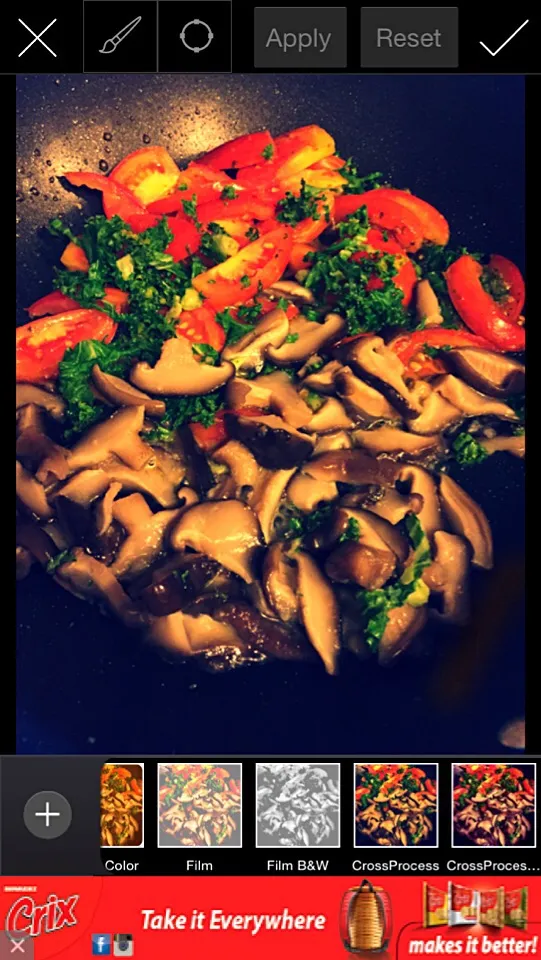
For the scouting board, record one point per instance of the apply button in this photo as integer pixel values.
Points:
(300, 37)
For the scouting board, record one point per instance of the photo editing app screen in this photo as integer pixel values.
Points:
(266, 695)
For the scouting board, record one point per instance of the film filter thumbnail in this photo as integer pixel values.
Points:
(200, 805)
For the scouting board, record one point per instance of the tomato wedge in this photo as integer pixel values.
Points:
(139, 222)
(256, 266)
(479, 311)
(511, 277)
(246, 206)
(57, 302)
(324, 179)
(236, 228)
(435, 226)
(329, 163)
(200, 326)
(149, 174)
(386, 213)
(74, 258)
(41, 344)
(186, 238)
(301, 148)
(409, 347)
(258, 175)
(208, 438)
(244, 151)
(117, 200)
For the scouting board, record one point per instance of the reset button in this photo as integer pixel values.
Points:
(404, 37)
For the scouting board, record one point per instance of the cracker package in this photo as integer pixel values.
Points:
(516, 908)
(463, 904)
(492, 907)
(435, 906)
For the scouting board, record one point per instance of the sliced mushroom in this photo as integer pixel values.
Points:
(104, 509)
(403, 625)
(36, 541)
(392, 440)
(122, 394)
(84, 487)
(118, 435)
(31, 493)
(245, 393)
(88, 578)
(274, 444)
(259, 633)
(189, 635)
(467, 520)
(491, 373)
(338, 440)
(248, 353)
(437, 414)
(330, 417)
(33, 446)
(394, 506)
(146, 534)
(178, 373)
(448, 576)
(30, 393)
(243, 466)
(291, 290)
(284, 399)
(369, 404)
(280, 582)
(311, 337)
(352, 466)
(375, 532)
(267, 499)
(319, 610)
(322, 381)
(151, 480)
(515, 445)
(226, 531)
(470, 401)
(358, 563)
(419, 481)
(305, 493)
(427, 305)
(375, 362)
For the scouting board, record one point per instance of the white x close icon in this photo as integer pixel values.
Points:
(37, 36)
(17, 946)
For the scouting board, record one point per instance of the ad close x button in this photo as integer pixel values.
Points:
(300, 37)
(405, 37)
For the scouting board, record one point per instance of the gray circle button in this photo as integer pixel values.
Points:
(47, 815)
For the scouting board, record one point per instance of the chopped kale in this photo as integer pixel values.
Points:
(467, 450)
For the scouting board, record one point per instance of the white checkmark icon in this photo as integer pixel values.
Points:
(494, 53)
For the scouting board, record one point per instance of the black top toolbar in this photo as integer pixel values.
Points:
(220, 36)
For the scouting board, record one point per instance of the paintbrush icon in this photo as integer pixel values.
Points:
(110, 45)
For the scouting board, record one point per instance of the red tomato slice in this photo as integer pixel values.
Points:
(139, 222)
(298, 253)
(117, 200)
(236, 228)
(51, 303)
(513, 280)
(200, 326)
(244, 151)
(309, 229)
(41, 344)
(301, 148)
(409, 347)
(246, 206)
(170, 204)
(186, 238)
(477, 308)
(258, 175)
(117, 298)
(267, 305)
(379, 241)
(208, 438)
(239, 278)
(435, 226)
(329, 163)
(386, 213)
(149, 174)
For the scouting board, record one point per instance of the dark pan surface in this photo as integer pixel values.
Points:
(86, 685)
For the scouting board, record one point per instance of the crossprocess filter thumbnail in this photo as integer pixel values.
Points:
(396, 804)
(121, 805)
(298, 804)
(199, 805)
(494, 804)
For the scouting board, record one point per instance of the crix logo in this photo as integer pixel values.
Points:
(29, 919)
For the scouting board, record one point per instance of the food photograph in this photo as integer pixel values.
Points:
(298, 805)
(121, 797)
(494, 805)
(270, 423)
(199, 805)
(396, 805)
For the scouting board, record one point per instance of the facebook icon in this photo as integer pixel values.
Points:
(101, 944)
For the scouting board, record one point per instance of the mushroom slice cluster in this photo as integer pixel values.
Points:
(305, 338)
(226, 531)
(274, 443)
(249, 352)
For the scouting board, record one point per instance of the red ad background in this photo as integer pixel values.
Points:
(114, 905)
